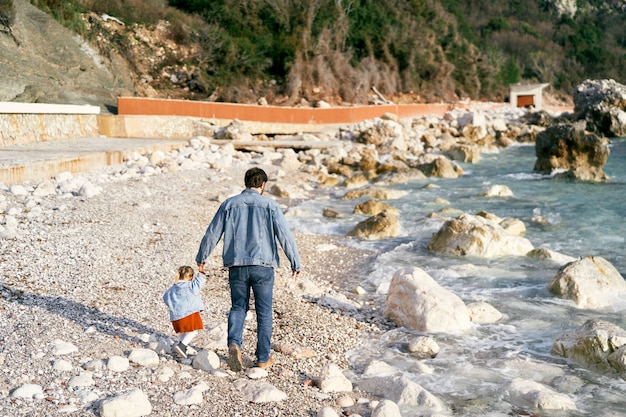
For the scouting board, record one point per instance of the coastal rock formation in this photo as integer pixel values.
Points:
(602, 104)
(235, 130)
(45, 62)
(440, 166)
(482, 312)
(591, 282)
(597, 344)
(375, 192)
(469, 235)
(498, 190)
(524, 392)
(423, 347)
(572, 152)
(380, 226)
(544, 253)
(375, 207)
(464, 153)
(416, 301)
(402, 391)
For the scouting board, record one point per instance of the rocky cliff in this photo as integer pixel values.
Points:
(43, 62)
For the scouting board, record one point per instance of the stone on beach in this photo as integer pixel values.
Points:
(416, 301)
(207, 360)
(590, 282)
(402, 391)
(327, 412)
(332, 379)
(134, 403)
(85, 379)
(62, 365)
(144, 357)
(118, 363)
(259, 391)
(386, 408)
(192, 395)
(28, 391)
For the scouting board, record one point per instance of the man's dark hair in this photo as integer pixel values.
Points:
(255, 177)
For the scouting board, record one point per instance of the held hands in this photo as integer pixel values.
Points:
(201, 268)
(296, 274)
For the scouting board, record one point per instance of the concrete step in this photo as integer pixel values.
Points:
(43, 160)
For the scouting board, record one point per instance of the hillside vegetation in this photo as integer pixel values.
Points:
(341, 50)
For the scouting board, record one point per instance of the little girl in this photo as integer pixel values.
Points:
(185, 304)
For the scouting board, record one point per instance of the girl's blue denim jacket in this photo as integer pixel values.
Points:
(251, 225)
(183, 298)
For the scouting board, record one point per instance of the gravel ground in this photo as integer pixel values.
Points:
(90, 271)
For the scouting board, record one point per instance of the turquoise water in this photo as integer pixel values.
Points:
(580, 219)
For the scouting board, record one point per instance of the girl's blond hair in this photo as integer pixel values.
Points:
(184, 273)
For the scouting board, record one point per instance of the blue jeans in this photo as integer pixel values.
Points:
(261, 280)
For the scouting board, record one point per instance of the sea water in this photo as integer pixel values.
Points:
(472, 370)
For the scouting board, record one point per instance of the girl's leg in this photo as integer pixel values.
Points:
(186, 338)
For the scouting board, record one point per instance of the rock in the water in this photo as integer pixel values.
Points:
(568, 150)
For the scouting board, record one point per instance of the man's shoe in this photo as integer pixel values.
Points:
(235, 361)
(181, 350)
(265, 365)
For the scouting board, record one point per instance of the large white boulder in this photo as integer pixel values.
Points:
(469, 235)
(416, 301)
(591, 282)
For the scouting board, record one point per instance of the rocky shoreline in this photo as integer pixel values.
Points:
(83, 277)
(86, 258)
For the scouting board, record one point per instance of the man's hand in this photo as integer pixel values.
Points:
(201, 268)
(296, 274)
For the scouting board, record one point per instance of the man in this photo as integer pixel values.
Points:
(251, 224)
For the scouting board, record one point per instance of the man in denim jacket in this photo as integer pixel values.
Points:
(251, 225)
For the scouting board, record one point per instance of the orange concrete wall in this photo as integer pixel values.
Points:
(291, 115)
(272, 114)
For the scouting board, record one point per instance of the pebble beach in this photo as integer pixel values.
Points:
(85, 259)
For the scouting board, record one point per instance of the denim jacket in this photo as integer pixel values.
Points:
(183, 298)
(251, 224)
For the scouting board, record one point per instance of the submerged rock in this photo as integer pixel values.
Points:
(524, 392)
(597, 344)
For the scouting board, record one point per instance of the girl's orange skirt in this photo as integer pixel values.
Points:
(188, 324)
